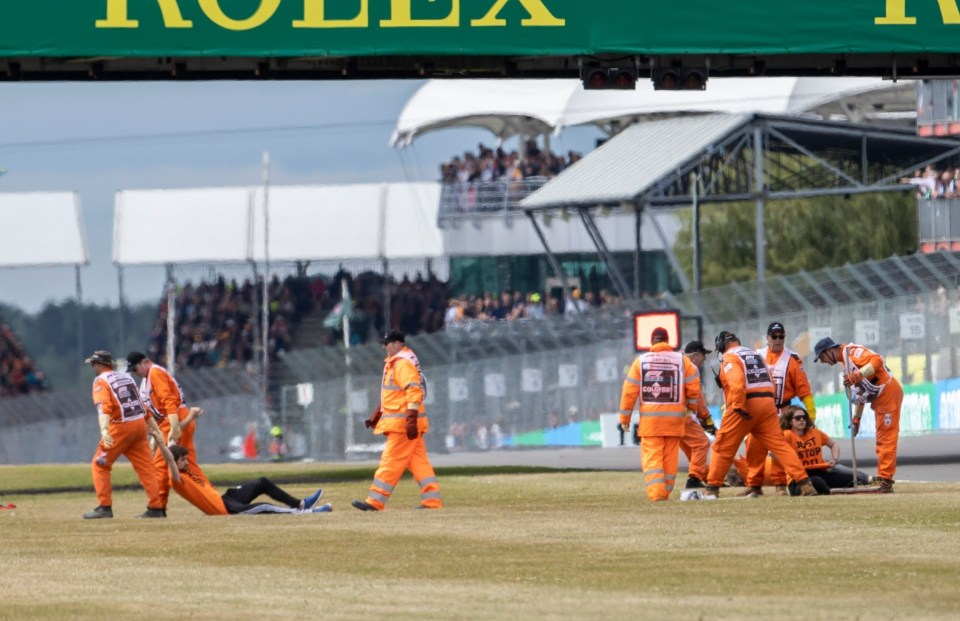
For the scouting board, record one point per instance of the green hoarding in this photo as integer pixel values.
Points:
(304, 28)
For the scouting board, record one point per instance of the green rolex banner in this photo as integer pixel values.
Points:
(296, 28)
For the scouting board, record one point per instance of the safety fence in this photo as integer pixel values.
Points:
(487, 391)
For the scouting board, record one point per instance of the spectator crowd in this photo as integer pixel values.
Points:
(494, 164)
(931, 183)
(18, 375)
(217, 323)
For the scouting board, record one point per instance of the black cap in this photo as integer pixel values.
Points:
(133, 359)
(659, 335)
(695, 347)
(776, 326)
(721, 341)
(101, 356)
(394, 336)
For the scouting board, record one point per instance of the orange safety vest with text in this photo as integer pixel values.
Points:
(666, 384)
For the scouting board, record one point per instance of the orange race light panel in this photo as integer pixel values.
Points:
(645, 323)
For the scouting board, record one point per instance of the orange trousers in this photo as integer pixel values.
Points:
(402, 454)
(129, 440)
(764, 425)
(163, 473)
(696, 446)
(887, 410)
(773, 473)
(660, 458)
(756, 462)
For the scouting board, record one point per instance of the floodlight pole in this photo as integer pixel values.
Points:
(761, 236)
(265, 303)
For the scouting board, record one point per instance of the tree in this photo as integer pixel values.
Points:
(801, 234)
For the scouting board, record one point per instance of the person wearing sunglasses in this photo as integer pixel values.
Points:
(789, 381)
(808, 441)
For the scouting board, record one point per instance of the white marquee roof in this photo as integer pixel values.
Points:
(42, 228)
(532, 107)
(306, 223)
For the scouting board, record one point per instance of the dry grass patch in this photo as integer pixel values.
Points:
(573, 545)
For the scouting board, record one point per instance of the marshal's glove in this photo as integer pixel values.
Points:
(854, 377)
(854, 427)
(412, 430)
(708, 425)
(371, 422)
(105, 438)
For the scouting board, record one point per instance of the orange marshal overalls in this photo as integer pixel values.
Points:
(885, 396)
(695, 444)
(790, 380)
(402, 388)
(115, 394)
(666, 384)
(748, 394)
(162, 395)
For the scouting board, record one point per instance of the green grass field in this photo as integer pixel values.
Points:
(511, 543)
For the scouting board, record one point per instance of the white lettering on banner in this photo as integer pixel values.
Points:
(359, 403)
(867, 332)
(532, 380)
(495, 384)
(458, 389)
(912, 326)
(915, 412)
(304, 394)
(568, 375)
(955, 320)
(607, 370)
(950, 410)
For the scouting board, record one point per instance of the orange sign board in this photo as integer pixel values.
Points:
(646, 322)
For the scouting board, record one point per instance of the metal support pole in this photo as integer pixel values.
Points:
(594, 232)
(637, 250)
(382, 251)
(758, 187)
(695, 183)
(265, 308)
(120, 309)
(80, 354)
(348, 379)
(171, 361)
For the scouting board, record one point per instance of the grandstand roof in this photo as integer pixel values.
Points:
(531, 107)
(41, 229)
(634, 160)
(306, 223)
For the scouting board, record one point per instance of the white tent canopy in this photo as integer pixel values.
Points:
(531, 107)
(41, 229)
(305, 223)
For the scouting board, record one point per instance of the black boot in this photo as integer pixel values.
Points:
(153, 513)
(99, 512)
(693, 482)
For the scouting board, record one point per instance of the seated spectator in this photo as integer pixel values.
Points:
(18, 374)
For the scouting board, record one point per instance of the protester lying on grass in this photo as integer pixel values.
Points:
(194, 487)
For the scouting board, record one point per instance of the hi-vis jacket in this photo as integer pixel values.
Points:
(744, 375)
(667, 384)
(789, 378)
(115, 394)
(403, 388)
(869, 388)
(162, 394)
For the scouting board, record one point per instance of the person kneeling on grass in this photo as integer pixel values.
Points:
(190, 482)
